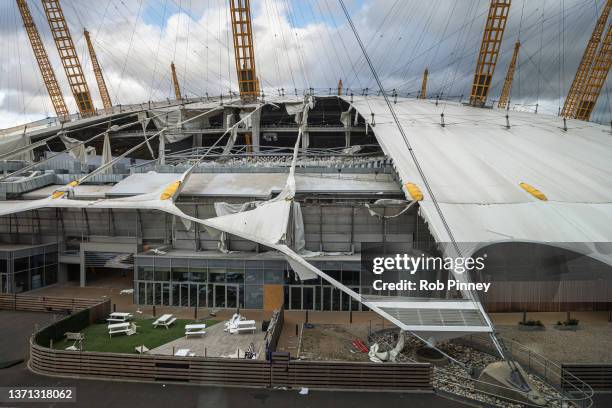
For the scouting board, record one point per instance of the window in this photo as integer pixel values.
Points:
(22, 282)
(203, 291)
(254, 297)
(199, 270)
(254, 276)
(36, 278)
(198, 274)
(50, 258)
(162, 273)
(21, 264)
(180, 274)
(3, 265)
(216, 275)
(36, 261)
(145, 273)
(235, 276)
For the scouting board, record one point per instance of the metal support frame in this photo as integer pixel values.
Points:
(505, 94)
(68, 55)
(489, 51)
(244, 54)
(175, 83)
(104, 95)
(580, 79)
(423, 94)
(46, 69)
(597, 79)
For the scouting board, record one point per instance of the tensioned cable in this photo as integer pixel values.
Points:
(418, 167)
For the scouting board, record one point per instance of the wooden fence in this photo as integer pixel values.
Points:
(31, 303)
(349, 375)
(275, 328)
(233, 372)
(598, 376)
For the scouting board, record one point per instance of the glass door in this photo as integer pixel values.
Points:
(326, 290)
(184, 294)
(308, 301)
(219, 295)
(232, 296)
(335, 298)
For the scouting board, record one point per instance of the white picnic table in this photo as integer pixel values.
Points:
(115, 328)
(184, 352)
(164, 320)
(195, 329)
(119, 317)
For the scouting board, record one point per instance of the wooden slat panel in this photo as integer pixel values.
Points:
(598, 376)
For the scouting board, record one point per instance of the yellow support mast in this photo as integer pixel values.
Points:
(244, 53)
(340, 87)
(505, 94)
(106, 100)
(423, 94)
(175, 83)
(580, 79)
(68, 55)
(489, 51)
(48, 74)
(597, 78)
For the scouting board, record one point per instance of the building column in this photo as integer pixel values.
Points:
(82, 279)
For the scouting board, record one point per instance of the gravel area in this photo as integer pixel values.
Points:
(455, 379)
(592, 343)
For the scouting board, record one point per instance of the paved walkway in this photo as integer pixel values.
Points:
(216, 343)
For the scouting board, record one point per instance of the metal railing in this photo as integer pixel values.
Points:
(575, 392)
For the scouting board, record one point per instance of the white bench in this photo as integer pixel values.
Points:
(164, 320)
(116, 328)
(184, 352)
(77, 338)
(119, 317)
(194, 329)
(243, 326)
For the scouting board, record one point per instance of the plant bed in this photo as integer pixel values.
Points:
(96, 337)
(531, 325)
(571, 324)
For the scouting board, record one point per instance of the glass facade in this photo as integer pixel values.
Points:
(28, 269)
(230, 283)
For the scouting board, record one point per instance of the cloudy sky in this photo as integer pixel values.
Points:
(299, 44)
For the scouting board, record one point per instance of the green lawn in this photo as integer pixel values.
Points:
(96, 336)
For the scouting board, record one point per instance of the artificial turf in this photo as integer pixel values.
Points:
(96, 336)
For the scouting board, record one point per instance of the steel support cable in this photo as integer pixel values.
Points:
(331, 65)
(161, 33)
(375, 36)
(276, 60)
(300, 48)
(282, 32)
(473, 297)
(292, 25)
(576, 6)
(463, 35)
(421, 39)
(129, 48)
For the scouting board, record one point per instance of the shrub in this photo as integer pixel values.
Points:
(537, 323)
